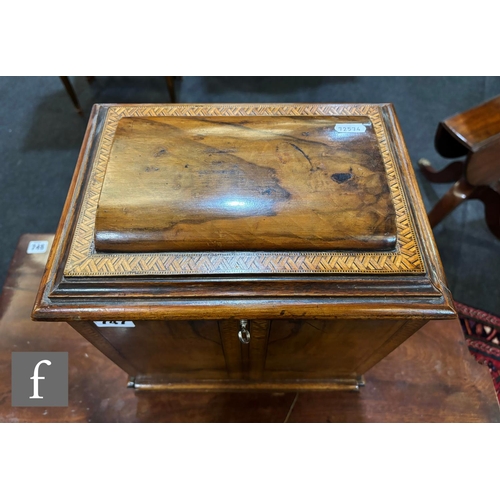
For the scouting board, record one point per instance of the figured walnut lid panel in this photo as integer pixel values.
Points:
(245, 183)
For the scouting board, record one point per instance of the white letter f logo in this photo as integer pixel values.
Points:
(36, 378)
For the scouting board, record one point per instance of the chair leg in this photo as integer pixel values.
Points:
(171, 87)
(459, 192)
(71, 93)
(450, 173)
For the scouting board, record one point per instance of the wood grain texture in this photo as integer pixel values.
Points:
(429, 378)
(483, 166)
(331, 349)
(208, 355)
(183, 350)
(228, 331)
(164, 384)
(93, 334)
(259, 331)
(244, 183)
(476, 125)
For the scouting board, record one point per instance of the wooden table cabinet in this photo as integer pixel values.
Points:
(241, 247)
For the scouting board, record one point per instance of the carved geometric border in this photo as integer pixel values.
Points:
(83, 260)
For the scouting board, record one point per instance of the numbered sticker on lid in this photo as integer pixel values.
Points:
(350, 128)
(37, 247)
(115, 324)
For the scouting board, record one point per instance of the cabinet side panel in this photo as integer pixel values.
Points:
(405, 331)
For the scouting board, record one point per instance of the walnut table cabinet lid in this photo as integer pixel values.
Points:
(251, 210)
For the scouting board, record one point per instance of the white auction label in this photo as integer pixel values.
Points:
(115, 324)
(37, 247)
(355, 128)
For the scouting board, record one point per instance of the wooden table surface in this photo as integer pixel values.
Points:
(430, 378)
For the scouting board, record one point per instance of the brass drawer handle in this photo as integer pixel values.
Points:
(244, 334)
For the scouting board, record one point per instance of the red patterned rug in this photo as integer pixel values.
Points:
(482, 333)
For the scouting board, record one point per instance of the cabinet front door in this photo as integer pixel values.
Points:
(266, 354)
(316, 349)
(171, 350)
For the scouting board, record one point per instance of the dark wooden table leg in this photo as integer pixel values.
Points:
(71, 93)
(459, 192)
(491, 200)
(450, 173)
(171, 87)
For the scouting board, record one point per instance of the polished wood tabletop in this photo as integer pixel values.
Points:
(430, 378)
(476, 125)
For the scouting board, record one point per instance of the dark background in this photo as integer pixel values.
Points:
(41, 134)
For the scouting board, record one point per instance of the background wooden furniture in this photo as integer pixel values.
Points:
(475, 133)
(430, 378)
(302, 256)
(170, 80)
(72, 94)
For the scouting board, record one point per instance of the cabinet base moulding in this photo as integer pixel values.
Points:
(158, 384)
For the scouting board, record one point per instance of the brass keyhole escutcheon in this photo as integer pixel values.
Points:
(244, 334)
